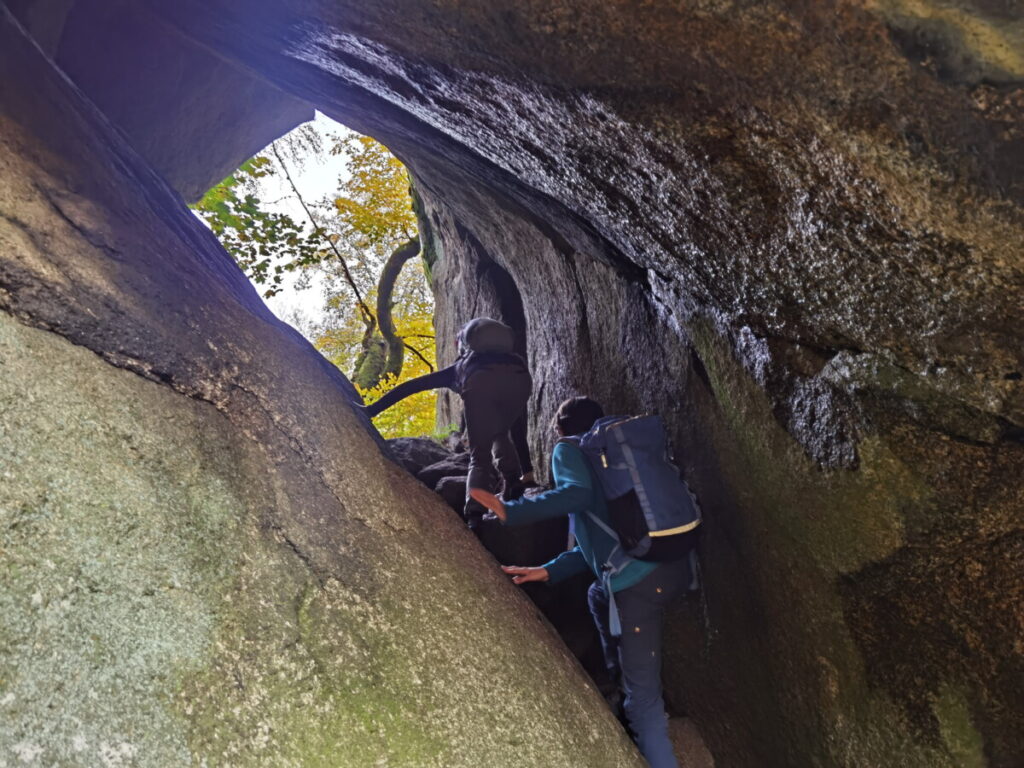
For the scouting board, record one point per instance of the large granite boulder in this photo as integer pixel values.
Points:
(793, 229)
(208, 559)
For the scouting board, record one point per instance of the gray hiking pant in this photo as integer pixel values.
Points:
(493, 398)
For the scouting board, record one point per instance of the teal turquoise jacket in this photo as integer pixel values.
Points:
(574, 493)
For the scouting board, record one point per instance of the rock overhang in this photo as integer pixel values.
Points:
(815, 211)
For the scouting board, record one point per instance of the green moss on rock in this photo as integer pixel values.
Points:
(158, 616)
(822, 536)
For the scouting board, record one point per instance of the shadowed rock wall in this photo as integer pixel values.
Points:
(794, 230)
(207, 559)
(192, 116)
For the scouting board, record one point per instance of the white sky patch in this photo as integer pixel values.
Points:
(317, 176)
(301, 300)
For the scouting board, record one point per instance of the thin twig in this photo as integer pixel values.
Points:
(418, 354)
(369, 319)
(319, 230)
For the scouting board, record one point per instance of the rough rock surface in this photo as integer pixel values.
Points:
(453, 491)
(416, 453)
(451, 466)
(43, 20)
(689, 745)
(794, 230)
(206, 557)
(564, 605)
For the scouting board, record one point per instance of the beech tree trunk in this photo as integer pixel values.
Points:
(385, 288)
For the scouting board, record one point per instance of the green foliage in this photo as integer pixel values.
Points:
(440, 434)
(375, 207)
(373, 216)
(265, 244)
(349, 241)
(341, 339)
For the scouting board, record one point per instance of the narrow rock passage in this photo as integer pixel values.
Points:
(443, 467)
(791, 229)
(206, 554)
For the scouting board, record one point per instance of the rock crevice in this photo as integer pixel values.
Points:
(793, 230)
(239, 576)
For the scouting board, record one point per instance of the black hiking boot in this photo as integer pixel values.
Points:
(473, 513)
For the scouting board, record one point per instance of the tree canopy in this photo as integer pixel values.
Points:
(363, 240)
(265, 244)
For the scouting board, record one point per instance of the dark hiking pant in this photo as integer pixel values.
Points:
(494, 398)
(635, 658)
(522, 444)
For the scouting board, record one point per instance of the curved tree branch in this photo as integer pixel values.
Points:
(385, 289)
(395, 344)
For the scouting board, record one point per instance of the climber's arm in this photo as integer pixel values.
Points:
(573, 491)
(566, 565)
(561, 568)
(443, 378)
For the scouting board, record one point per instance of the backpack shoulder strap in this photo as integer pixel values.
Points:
(575, 440)
(617, 558)
(603, 525)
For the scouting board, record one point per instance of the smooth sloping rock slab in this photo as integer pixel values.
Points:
(207, 557)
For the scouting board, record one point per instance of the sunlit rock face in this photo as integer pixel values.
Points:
(206, 557)
(795, 231)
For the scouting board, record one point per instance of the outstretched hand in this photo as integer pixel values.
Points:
(490, 501)
(521, 575)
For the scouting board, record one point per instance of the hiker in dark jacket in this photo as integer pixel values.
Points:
(522, 445)
(495, 386)
(642, 589)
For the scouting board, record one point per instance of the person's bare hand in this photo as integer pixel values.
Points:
(521, 575)
(490, 501)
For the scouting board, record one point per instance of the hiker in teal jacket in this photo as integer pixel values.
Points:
(641, 589)
(574, 492)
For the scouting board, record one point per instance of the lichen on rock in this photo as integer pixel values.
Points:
(208, 556)
(793, 230)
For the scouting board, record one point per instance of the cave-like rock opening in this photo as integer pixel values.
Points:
(794, 230)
